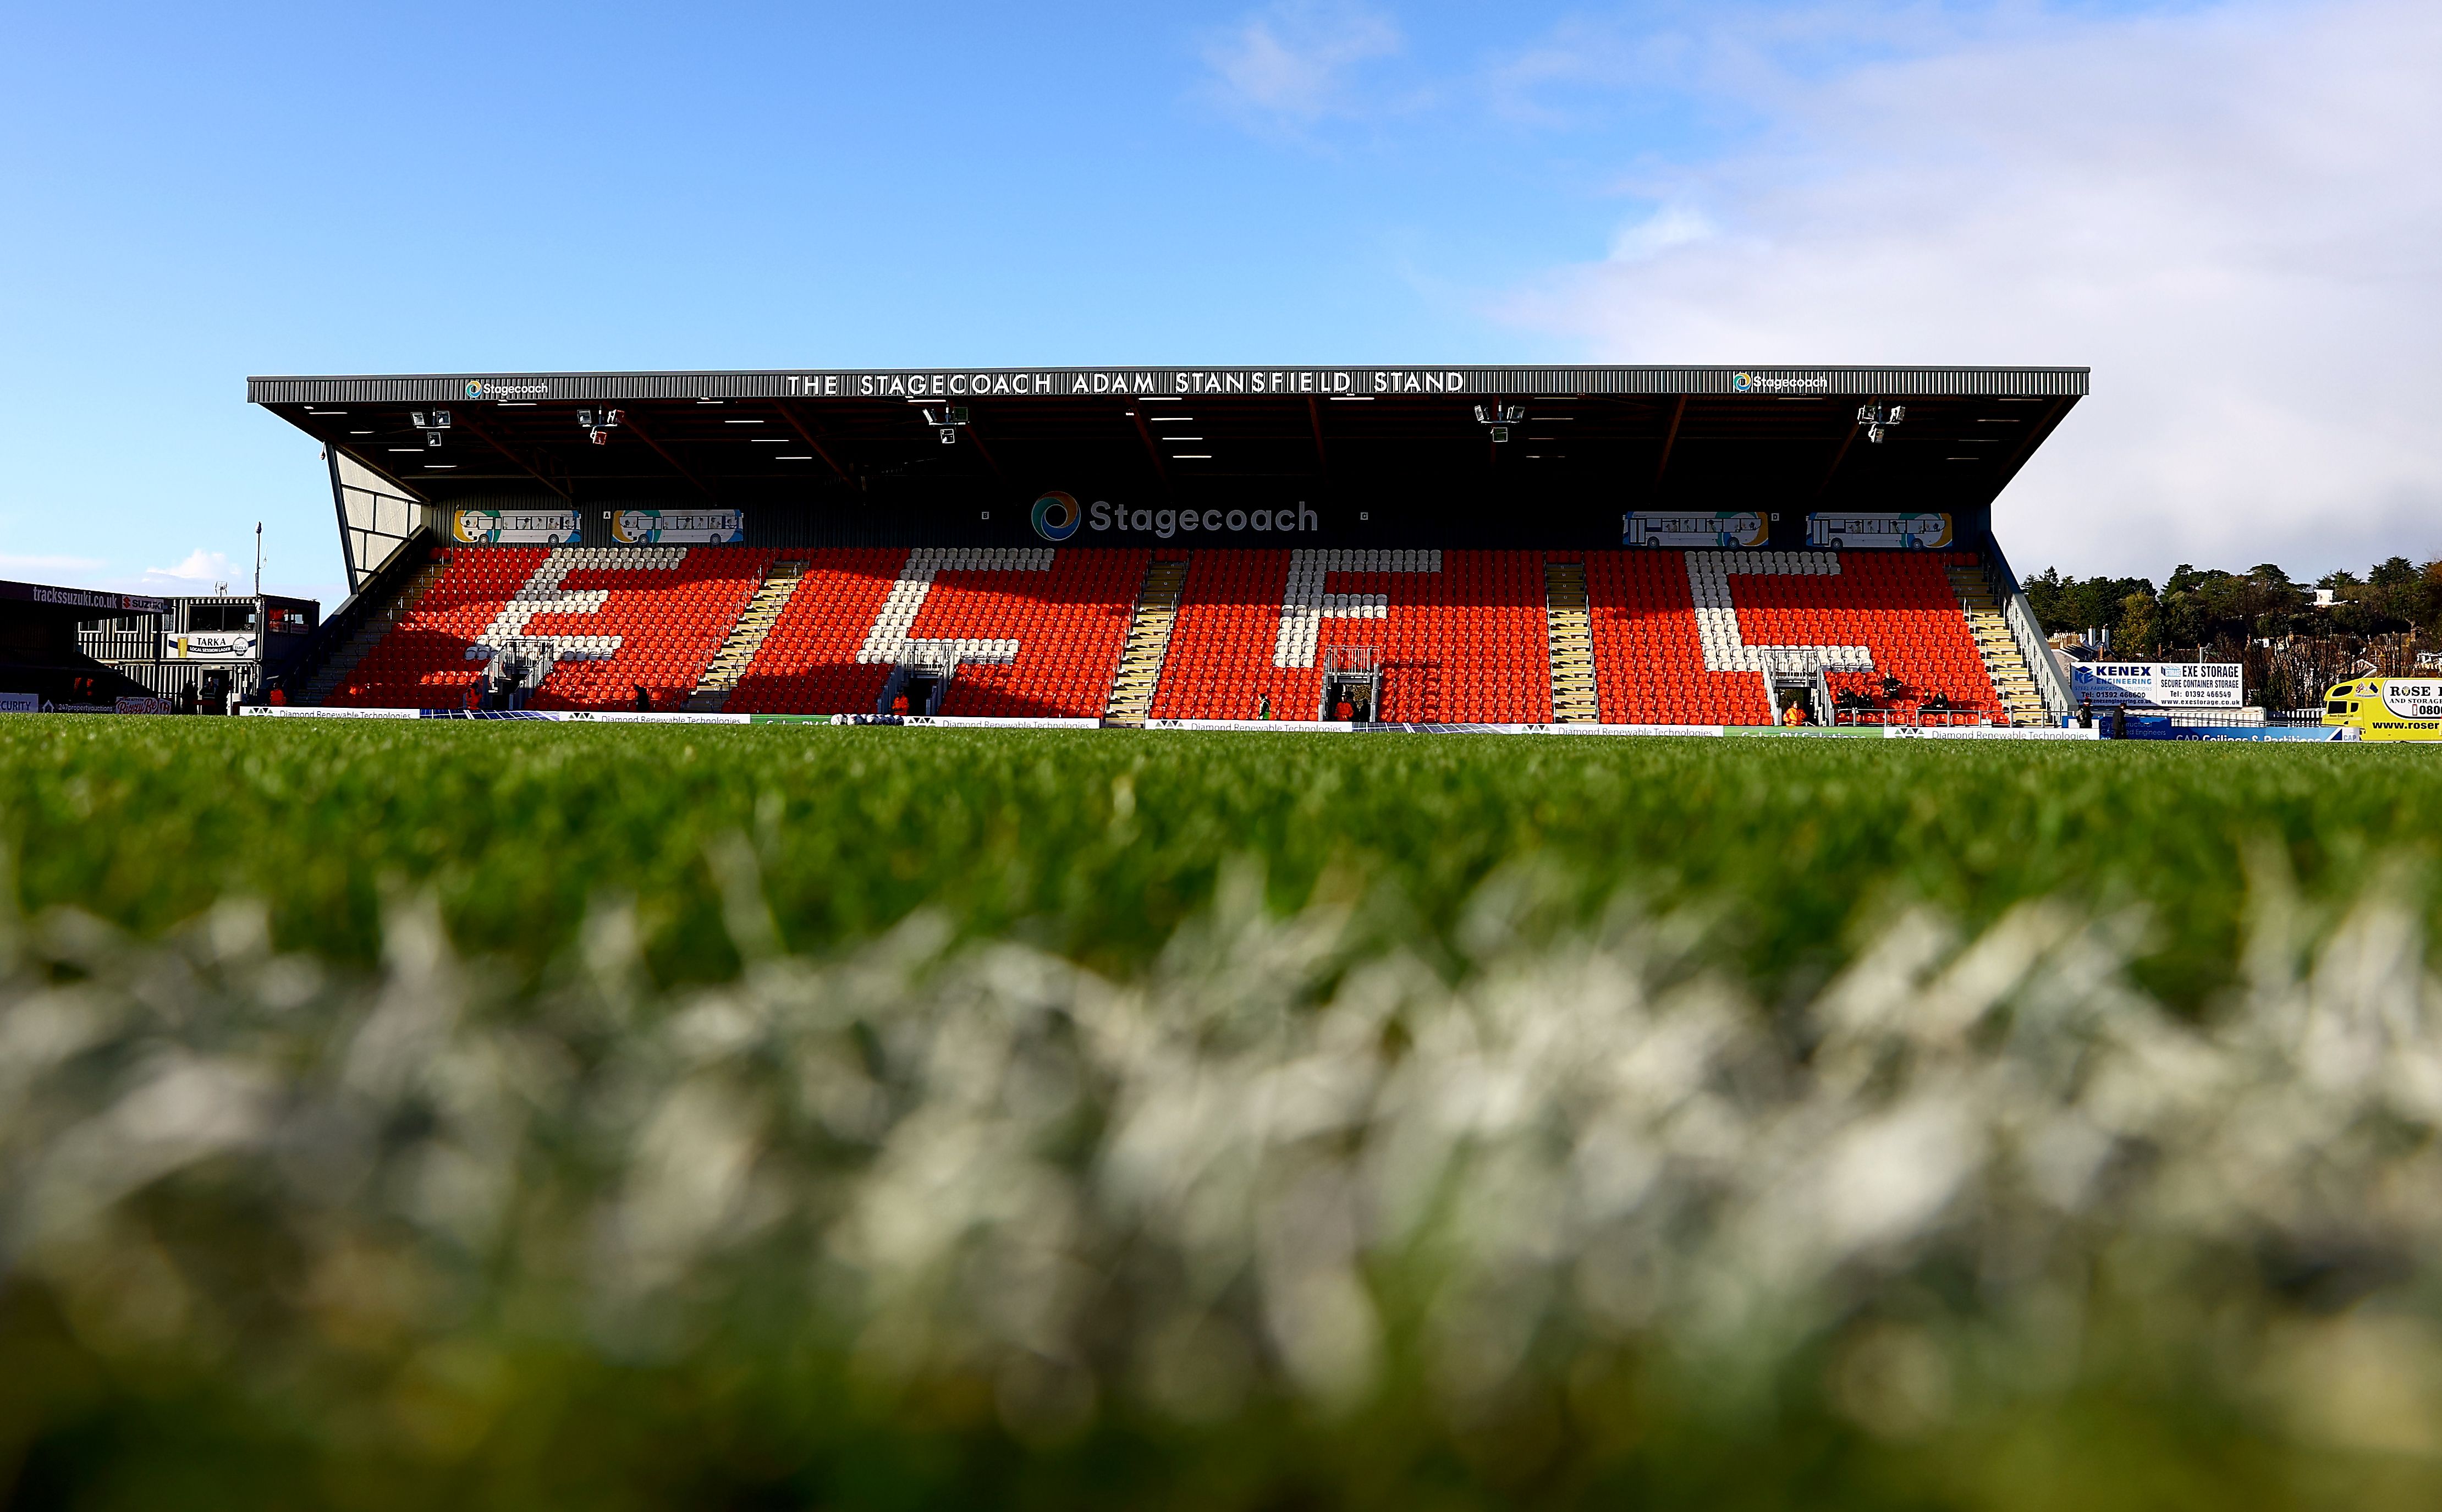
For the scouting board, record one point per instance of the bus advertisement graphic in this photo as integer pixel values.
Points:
(1887, 531)
(1723, 530)
(514, 527)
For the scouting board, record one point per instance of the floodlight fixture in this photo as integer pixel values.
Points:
(1877, 420)
(949, 435)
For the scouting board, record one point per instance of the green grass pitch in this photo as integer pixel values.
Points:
(531, 1115)
(1096, 845)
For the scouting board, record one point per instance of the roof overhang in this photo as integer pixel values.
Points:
(1592, 436)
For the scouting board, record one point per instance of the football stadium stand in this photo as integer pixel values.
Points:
(1450, 546)
(1675, 637)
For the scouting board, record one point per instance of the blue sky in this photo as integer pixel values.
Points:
(2213, 204)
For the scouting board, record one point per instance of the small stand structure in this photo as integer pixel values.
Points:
(1352, 675)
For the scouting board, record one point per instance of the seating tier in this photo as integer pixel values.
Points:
(1040, 630)
(1461, 635)
(1650, 659)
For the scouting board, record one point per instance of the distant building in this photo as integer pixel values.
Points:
(251, 638)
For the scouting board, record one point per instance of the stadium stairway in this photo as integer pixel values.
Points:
(2012, 680)
(344, 661)
(746, 638)
(1569, 615)
(1148, 642)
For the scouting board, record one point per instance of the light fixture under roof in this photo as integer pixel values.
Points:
(741, 422)
(808, 457)
(1190, 456)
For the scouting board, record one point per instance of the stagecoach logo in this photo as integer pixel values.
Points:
(1757, 383)
(1057, 517)
(485, 389)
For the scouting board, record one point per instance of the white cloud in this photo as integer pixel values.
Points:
(197, 572)
(1666, 229)
(1291, 63)
(2232, 214)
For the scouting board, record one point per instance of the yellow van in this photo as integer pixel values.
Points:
(2387, 708)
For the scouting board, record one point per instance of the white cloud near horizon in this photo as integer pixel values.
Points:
(2233, 214)
(200, 570)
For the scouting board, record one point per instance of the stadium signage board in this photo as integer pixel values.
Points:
(20, 703)
(514, 527)
(1727, 530)
(1886, 531)
(705, 527)
(1780, 383)
(2162, 684)
(84, 598)
(1162, 524)
(1354, 381)
(1129, 382)
(214, 646)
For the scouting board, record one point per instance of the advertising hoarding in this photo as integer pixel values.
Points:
(513, 527)
(670, 527)
(1728, 529)
(213, 646)
(2163, 684)
(1852, 531)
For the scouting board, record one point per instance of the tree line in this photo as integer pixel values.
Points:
(2292, 646)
